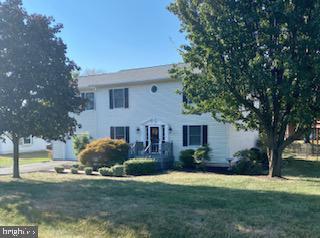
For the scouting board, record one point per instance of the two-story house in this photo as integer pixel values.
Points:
(143, 107)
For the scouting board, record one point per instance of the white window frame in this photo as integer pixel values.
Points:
(115, 132)
(22, 141)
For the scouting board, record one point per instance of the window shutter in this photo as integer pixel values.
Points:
(204, 135)
(184, 98)
(126, 97)
(112, 132)
(185, 136)
(111, 98)
(127, 134)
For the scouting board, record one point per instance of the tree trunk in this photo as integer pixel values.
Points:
(275, 162)
(15, 141)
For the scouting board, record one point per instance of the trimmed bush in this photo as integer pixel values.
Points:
(118, 170)
(76, 166)
(81, 167)
(187, 160)
(59, 169)
(252, 162)
(140, 166)
(104, 153)
(88, 170)
(247, 167)
(105, 171)
(74, 170)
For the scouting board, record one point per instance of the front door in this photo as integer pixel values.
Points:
(154, 138)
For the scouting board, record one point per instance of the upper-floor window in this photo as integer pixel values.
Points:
(185, 99)
(119, 98)
(89, 100)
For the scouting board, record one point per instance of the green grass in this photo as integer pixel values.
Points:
(25, 158)
(176, 204)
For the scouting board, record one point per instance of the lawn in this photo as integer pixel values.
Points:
(176, 204)
(25, 158)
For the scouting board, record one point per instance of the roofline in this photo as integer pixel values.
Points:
(123, 70)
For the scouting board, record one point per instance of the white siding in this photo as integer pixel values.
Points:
(164, 105)
(37, 145)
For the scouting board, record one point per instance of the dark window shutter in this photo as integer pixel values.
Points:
(185, 136)
(126, 97)
(204, 135)
(111, 98)
(112, 132)
(127, 134)
(184, 98)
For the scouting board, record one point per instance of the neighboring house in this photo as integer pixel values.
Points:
(143, 107)
(28, 144)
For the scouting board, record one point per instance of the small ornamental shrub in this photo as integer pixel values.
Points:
(88, 170)
(74, 170)
(252, 162)
(105, 171)
(187, 159)
(80, 142)
(118, 170)
(140, 166)
(177, 165)
(247, 167)
(104, 153)
(59, 169)
(81, 167)
(76, 166)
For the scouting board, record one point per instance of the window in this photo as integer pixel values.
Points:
(185, 99)
(120, 133)
(195, 135)
(26, 140)
(89, 97)
(119, 98)
(154, 89)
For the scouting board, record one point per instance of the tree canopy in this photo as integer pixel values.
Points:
(253, 63)
(37, 90)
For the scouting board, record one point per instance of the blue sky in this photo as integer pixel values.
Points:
(110, 35)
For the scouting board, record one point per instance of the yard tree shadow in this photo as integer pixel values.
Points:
(156, 209)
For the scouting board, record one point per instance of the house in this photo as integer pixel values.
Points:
(143, 107)
(28, 144)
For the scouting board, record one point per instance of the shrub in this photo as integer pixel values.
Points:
(177, 165)
(105, 171)
(247, 167)
(187, 159)
(104, 153)
(140, 166)
(81, 167)
(74, 170)
(76, 166)
(118, 170)
(88, 170)
(252, 162)
(80, 142)
(59, 169)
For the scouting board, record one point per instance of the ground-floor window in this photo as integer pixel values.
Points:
(195, 135)
(26, 140)
(120, 133)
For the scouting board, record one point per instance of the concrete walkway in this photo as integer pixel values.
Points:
(36, 167)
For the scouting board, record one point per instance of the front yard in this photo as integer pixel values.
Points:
(176, 204)
(25, 158)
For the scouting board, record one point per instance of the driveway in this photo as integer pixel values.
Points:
(36, 167)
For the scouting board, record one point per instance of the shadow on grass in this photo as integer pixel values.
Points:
(301, 168)
(161, 210)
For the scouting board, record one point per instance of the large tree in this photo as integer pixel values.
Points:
(253, 63)
(37, 90)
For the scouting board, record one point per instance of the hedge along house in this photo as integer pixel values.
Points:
(143, 107)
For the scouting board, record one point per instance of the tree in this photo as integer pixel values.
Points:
(37, 88)
(254, 64)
